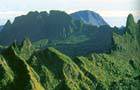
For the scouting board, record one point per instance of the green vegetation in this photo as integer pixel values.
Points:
(39, 25)
(40, 43)
(25, 67)
(59, 30)
(89, 40)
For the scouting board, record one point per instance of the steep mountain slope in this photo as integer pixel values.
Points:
(22, 75)
(130, 40)
(89, 17)
(25, 68)
(91, 39)
(37, 26)
(58, 29)
(95, 40)
(1, 27)
(46, 69)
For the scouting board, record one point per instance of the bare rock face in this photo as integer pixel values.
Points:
(89, 17)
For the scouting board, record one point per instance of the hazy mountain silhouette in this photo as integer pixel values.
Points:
(89, 17)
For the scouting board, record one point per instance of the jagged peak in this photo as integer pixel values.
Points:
(33, 13)
(130, 20)
(36, 13)
(8, 24)
(130, 24)
(27, 42)
(56, 11)
(88, 11)
(26, 49)
(60, 14)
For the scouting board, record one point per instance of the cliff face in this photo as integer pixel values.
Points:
(37, 26)
(89, 17)
(42, 25)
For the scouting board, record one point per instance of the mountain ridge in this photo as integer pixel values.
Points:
(89, 17)
(38, 24)
(50, 29)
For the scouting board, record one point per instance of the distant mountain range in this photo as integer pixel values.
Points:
(36, 26)
(25, 67)
(89, 17)
(59, 29)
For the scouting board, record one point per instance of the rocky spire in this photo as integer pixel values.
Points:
(130, 24)
(7, 25)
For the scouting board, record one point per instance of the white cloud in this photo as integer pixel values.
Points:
(12, 13)
(109, 1)
(105, 13)
(119, 13)
(111, 13)
(9, 15)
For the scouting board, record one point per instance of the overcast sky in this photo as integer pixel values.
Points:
(113, 11)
